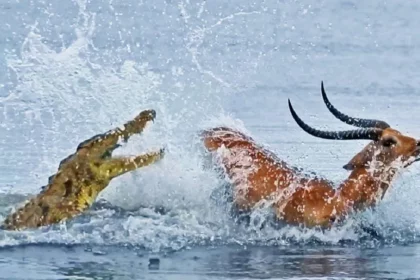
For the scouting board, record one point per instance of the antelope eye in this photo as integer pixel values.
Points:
(388, 142)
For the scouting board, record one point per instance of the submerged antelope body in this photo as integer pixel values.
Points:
(257, 175)
(82, 176)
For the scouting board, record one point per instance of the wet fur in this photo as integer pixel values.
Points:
(256, 174)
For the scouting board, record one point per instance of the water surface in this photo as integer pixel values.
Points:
(69, 70)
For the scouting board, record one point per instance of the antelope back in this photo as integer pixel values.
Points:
(254, 172)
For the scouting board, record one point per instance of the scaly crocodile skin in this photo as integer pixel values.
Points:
(82, 176)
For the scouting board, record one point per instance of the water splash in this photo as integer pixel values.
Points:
(64, 93)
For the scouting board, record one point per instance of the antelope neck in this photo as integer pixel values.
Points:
(364, 188)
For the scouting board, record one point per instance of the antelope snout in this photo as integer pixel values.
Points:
(416, 153)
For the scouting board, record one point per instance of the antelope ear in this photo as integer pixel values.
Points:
(357, 161)
(349, 166)
(361, 159)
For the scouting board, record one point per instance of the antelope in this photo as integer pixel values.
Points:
(257, 175)
(82, 176)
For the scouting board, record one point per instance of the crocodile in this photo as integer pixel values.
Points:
(82, 176)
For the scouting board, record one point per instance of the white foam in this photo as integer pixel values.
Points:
(65, 98)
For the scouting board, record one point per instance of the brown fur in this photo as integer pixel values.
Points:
(82, 176)
(257, 174)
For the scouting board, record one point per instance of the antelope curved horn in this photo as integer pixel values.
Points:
(350, 120)
(357, 134)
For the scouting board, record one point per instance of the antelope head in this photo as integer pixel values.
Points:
(388, 151)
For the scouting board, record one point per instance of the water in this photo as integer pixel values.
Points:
(69, 70)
